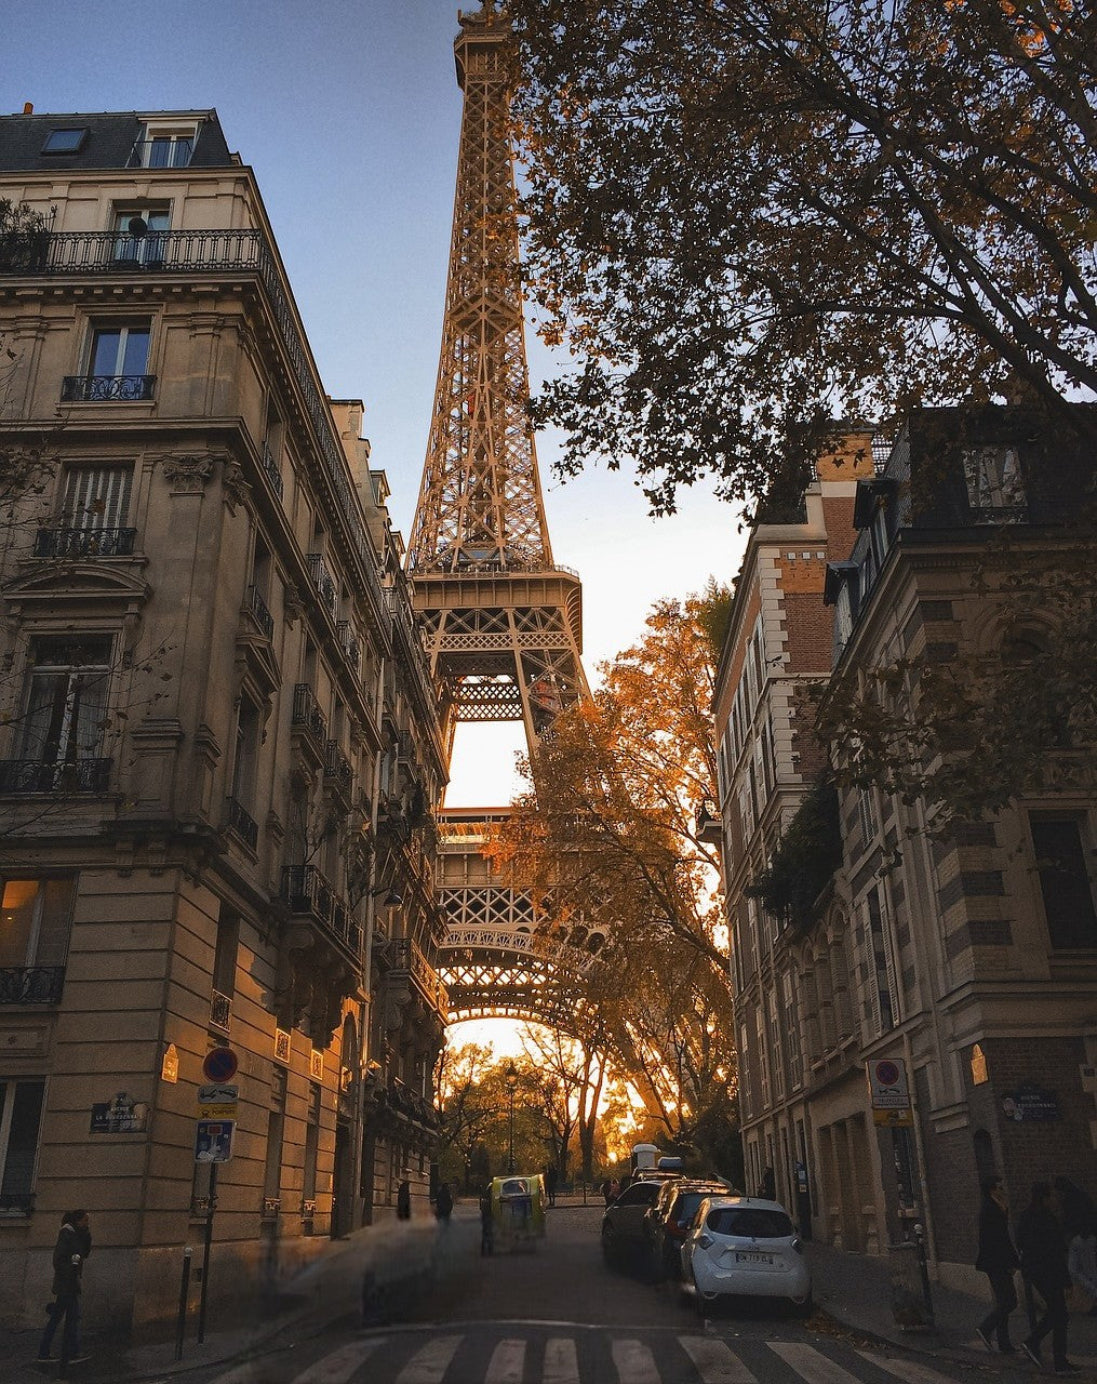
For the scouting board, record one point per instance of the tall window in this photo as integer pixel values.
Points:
(882, 993)
(225, 951)
(140, 235)
(793, 1050)
(776, 1047)
(119, 350)
(34, 921)
(165, 146)
(1065, 885)
(272, 1169)
(97, 497)
(994, 481)
(67, 698)
(20, 1120)
(247, 753)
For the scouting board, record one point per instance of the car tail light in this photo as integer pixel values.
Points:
(705, 1241)
(797, 1246)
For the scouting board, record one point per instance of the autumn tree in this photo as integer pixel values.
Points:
(747, 216)
(609, 840)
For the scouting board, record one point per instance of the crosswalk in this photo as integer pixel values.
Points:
(546, 1356)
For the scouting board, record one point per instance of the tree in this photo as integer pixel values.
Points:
(746, 216)
(467, 1107)
(609, 841)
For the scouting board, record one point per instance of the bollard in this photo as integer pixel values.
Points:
(184, 1283)
(920, 1238)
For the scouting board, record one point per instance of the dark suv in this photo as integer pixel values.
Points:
(623, 1224)
(667, 1221)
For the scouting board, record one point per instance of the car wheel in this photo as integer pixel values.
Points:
(609, 1249)
(805, 1306)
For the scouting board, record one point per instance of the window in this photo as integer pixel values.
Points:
(141, 235)
(993, 477)
(34, 922)
(1065, 885)
(882, 991)
(792, 1031)
(20, 1119)
(247, 752)
(225, 951)
(776, 1047)
(97, 497)
(67, 698)
(164, 146)
(118, 358)
(69, 141)
(272, 1168)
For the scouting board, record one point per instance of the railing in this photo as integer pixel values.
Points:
(323, 581)
(307, 714)
(306, 891)
(52, 776)
(242, 823)
(347, 642)
(84, 542)
(105, 389)
(337, 767)
(271, 471)
(146, 153)
(31, 984)
(405, 954)
(64, 252)
(258, 607)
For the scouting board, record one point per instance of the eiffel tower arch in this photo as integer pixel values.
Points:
(502, 620)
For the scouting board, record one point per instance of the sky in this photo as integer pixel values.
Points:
(349, 113)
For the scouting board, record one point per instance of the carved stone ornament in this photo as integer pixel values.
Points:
(233, 486)
(188, 475)
(292, 603)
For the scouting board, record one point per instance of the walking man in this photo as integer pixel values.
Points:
(72, 1248)
(1043, 1247)
(998, 1259)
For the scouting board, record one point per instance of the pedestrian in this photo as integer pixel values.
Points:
(487, 1222)
(1082, 1266)
(1043, 1247)
(443, 1203)
(767, 1188)
(998, 1259)
(72, 1248)
(403, 1201)
(550, 1184)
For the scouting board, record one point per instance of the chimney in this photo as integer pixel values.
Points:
(28, 107)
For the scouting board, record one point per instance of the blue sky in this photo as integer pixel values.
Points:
(349, 113)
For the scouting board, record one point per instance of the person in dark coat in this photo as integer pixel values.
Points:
(999, 1260)
(403, 1201)
(1043, 1247)
(443, 1203)
(550, 1184)
(72, 1248)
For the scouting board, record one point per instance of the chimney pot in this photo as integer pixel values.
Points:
(28, 107)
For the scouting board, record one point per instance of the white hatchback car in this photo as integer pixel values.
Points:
(742, 1246)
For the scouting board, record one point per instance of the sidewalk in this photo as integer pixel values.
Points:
(855, 1290)
(397, 1258)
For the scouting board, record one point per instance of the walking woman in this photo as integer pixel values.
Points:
(998, 1259)
(1043, 1247)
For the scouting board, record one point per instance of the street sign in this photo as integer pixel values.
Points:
(219, 1091)
(213, 1141)
(220, 1065)
(887, 1084)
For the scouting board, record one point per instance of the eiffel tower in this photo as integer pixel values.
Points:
(503, 622)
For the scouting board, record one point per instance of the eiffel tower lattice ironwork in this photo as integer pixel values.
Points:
(502, 621)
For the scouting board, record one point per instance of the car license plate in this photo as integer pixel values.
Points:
(747, 1257)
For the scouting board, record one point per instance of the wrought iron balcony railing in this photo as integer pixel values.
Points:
(406, 955)
(307, 892)
(307, 714)
(242, 823)
(31, 984)
(161, 153)
(271, 471)
(323, 581)
(258, 607)
(347, 642)
(212, 251)
(51, 776)
(107, 389)
(337, 767)
(84, 542)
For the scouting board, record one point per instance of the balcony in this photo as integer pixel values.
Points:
(323, 582)
(84, 543)
(307, 715)
(338, 773)
(309, 894)
(406, 959)
(261, 614)
(347, 643)
(50, 776)
(31, 984)
(271, 471)
(161, 153)
(243, 824)
(107, 389)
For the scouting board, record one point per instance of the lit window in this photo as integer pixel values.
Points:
(34, 922)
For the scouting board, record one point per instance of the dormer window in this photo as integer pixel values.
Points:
(69, 141)
(165, 145)
(994, 482)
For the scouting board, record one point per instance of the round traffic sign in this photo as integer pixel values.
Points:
(887, 1073)
(220, 1065)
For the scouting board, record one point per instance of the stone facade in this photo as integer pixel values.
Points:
(214, 711)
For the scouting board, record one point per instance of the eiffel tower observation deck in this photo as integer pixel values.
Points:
(503, 621)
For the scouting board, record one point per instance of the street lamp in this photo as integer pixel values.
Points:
(512, 1086)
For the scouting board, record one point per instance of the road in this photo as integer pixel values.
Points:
(559, 1316)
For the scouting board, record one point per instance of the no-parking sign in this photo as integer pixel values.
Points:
(887, 1084)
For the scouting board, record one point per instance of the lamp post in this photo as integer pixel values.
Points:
(512, 1086)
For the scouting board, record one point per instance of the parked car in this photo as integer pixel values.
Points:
(667, 1222)
(744, 1246)
(623, 1223)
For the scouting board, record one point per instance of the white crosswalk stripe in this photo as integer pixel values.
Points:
(635, 1363)
(812, 1367)
(429, 1365)
(340, 1365)
(715, 1362)
(561, 1361)
(909, 1370)
(508, 1360)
